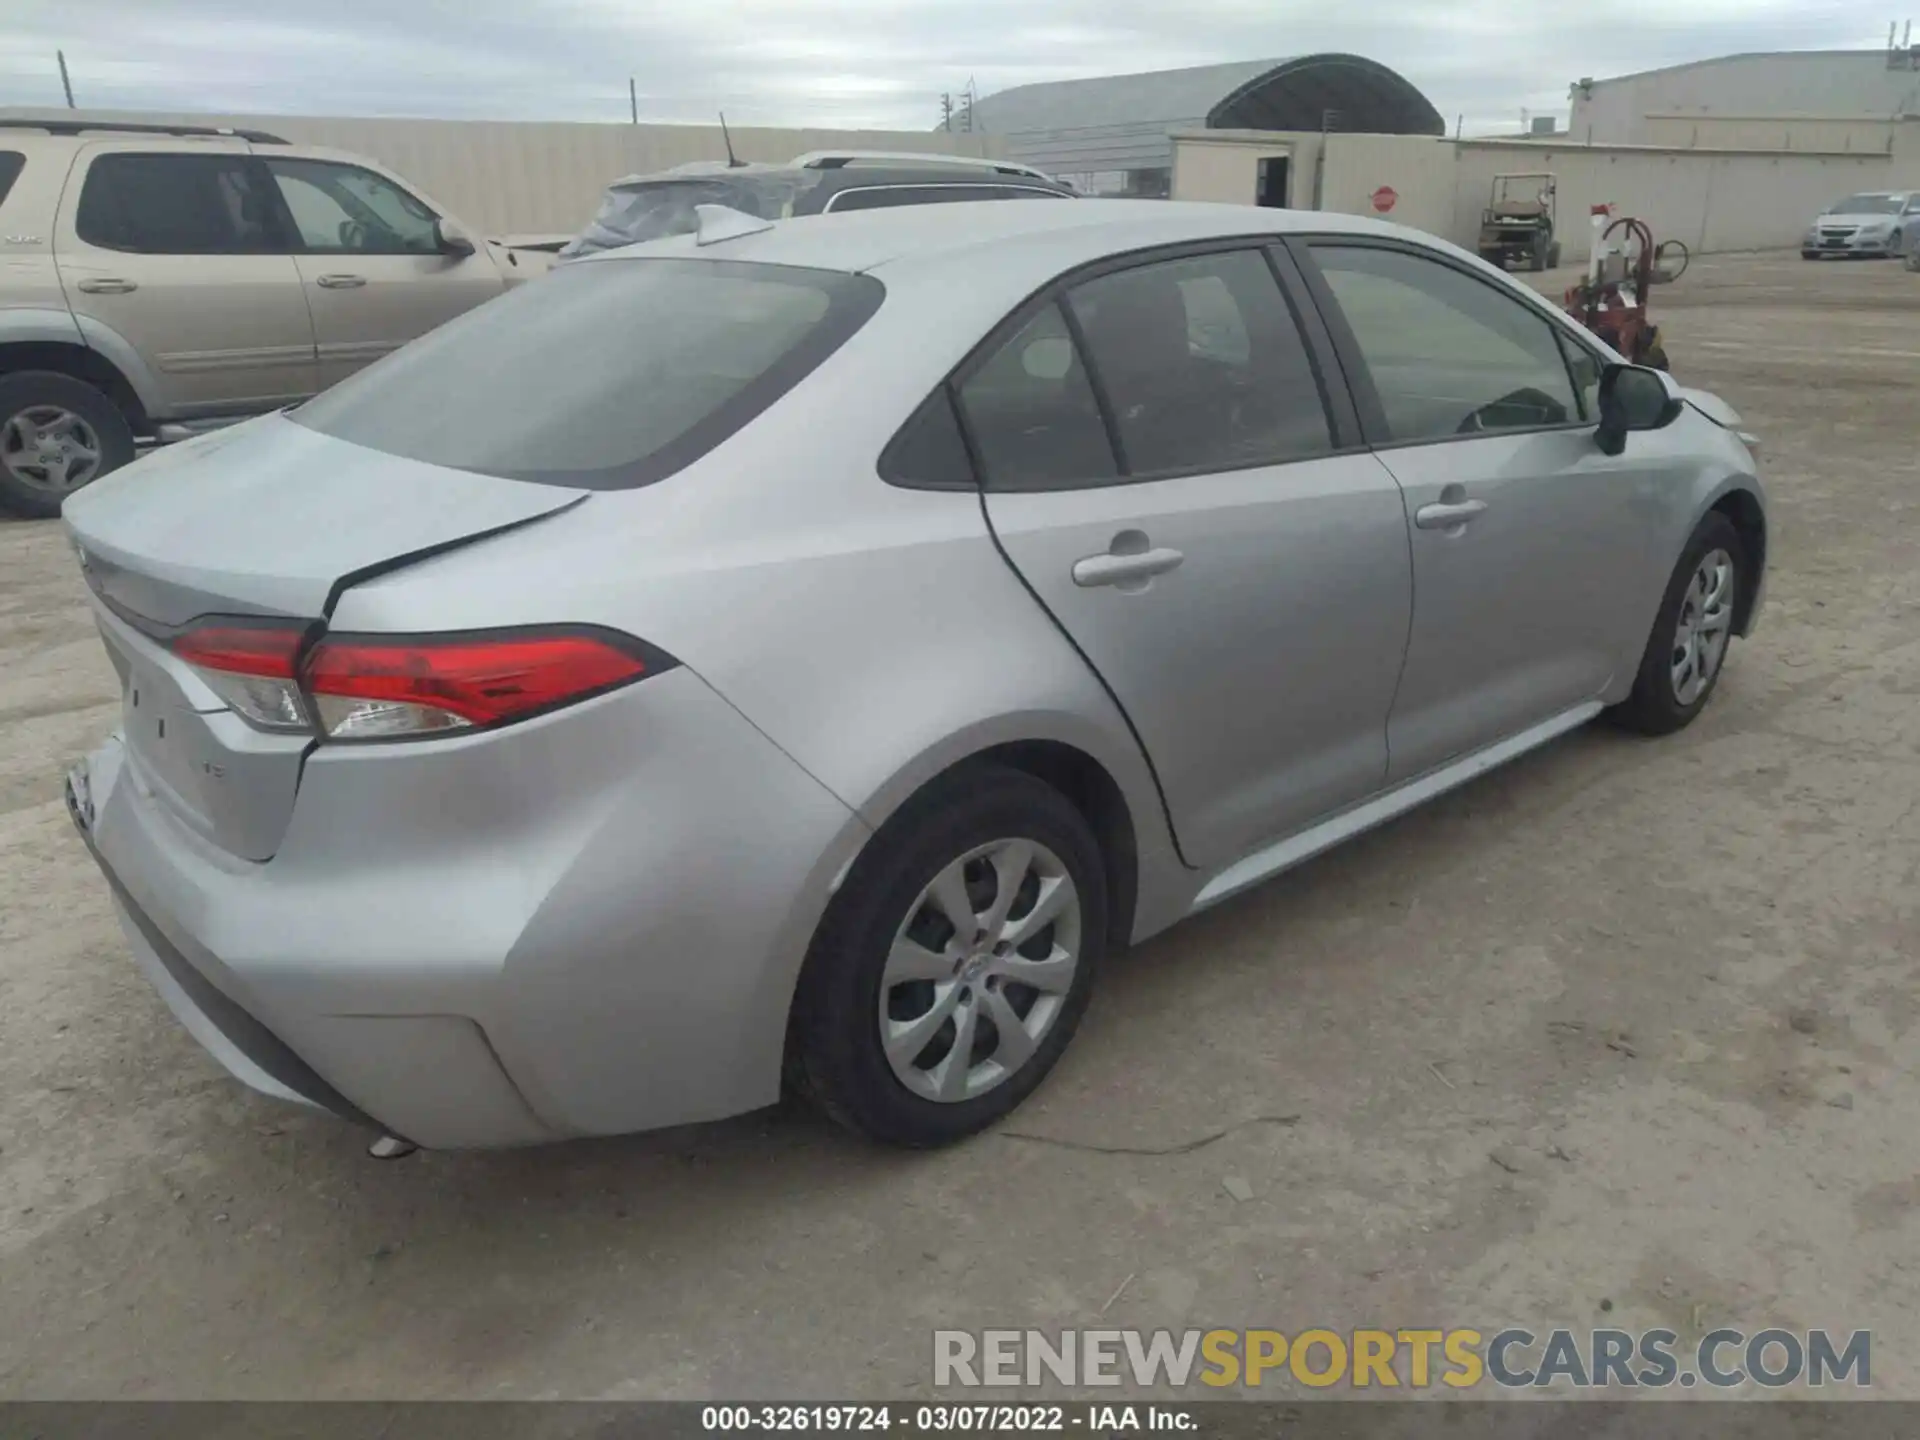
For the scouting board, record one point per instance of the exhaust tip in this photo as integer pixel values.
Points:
(390, 1147)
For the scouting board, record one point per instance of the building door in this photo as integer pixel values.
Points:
(1271, 188)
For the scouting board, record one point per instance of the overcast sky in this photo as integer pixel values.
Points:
(878, 63)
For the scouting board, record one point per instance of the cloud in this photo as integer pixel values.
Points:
(880, 63)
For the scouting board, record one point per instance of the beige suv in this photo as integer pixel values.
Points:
(156, 281)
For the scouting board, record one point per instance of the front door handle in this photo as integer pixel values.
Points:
(1124, 570)
(341, 282)
(109, 285)
(1448, 516)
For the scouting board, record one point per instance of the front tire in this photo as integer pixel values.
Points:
(953, 967)
(56, 435)
(1692, 632)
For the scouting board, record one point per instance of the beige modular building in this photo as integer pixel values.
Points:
(1710, 198)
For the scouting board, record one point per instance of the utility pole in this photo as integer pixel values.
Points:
(65, 83)
(633, 100)
(946, 112)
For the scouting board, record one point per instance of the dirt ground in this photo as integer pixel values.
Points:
(1625, 1034)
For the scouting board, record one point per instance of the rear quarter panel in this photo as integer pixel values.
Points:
(873, 633)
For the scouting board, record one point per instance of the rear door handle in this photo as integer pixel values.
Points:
(1448, 516)
(341, 282)
(1111, 569)
(109, 285)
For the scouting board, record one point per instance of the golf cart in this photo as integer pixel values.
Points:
(1517, 225)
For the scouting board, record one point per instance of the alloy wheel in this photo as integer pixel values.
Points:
(979, 970)
(1704, 628)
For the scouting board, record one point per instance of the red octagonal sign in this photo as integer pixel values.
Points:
(1384, 198)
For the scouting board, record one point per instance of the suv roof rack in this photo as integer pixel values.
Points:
(840, 159)
(80, 127)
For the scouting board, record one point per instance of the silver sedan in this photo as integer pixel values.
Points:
(799, 653)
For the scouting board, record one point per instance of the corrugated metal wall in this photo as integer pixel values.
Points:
(531, 176)
(1712, 199)
(1835, 84)
(1771, 132)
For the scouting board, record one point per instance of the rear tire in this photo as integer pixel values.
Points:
(1667, 692)
(887, 955)
(57, 434)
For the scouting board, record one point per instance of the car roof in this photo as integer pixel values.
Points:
(990, 233)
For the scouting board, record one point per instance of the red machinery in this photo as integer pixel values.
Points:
(1622, 270)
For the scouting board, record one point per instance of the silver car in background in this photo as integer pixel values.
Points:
(1878, 223)
(799, 653)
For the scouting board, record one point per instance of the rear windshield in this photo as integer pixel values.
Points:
(604, 375)
(1867, 205)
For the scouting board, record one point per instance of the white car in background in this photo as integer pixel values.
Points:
(1873, 222)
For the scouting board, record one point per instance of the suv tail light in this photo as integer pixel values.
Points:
(389, 687)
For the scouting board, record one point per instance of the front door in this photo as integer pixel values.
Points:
(182, 255)
(1161, 469)
(1526, 540)
(372, 264)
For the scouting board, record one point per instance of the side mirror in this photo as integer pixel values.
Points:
(1632, 398)
(451, 238)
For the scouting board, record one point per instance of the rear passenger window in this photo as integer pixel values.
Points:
(1203, 365)
(929, 453)
(1032, 415)
(171, 204)
(11, 164)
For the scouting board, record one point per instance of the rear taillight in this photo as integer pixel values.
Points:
(251, 666)
(385, 687)
(370, 687)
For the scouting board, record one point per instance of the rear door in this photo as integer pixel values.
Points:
(181, 252)
(1527, 541)
(369, 257)
(1167, 471)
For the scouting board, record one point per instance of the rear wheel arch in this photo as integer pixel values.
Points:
(1085, 782)
(1101, 803)
(81, 363)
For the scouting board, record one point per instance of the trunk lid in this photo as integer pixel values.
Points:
(266, 519)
